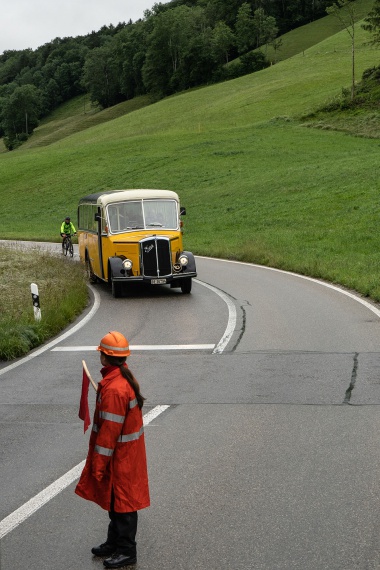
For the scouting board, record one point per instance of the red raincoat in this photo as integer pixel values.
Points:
(116, 457)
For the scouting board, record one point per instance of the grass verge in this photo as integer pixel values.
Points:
(63, 295)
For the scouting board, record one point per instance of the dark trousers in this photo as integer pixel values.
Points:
(122, 531)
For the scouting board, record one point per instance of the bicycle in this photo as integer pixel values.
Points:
(67, 245)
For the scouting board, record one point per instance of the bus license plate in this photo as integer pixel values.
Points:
(157, 281)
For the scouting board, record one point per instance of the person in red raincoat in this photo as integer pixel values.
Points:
(115, 474)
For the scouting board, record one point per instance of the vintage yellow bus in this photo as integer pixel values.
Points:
(134, 235)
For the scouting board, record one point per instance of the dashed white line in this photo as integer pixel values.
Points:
(25, 511)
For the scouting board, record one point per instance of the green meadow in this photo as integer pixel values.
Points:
(258, 183)
(304, 37)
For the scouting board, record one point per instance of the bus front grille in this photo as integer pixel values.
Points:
(156, 257)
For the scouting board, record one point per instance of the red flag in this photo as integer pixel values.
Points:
(84, 412)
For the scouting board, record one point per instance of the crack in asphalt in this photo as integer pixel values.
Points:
(243, 325)
(354, 374)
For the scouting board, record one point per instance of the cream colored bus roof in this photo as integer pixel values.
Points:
(123, 195)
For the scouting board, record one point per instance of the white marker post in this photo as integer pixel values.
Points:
(36, 301)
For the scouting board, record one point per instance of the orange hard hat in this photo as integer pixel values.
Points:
(114, 344)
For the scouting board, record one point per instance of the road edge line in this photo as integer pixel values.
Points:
(355, 297)
(231, 324)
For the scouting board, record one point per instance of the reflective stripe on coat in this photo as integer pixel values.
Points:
(116, 457)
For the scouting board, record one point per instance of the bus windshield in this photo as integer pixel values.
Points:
(142, 214)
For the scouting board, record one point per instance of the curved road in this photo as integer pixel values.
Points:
(264, 454)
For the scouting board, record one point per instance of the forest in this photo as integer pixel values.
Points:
(176, 46)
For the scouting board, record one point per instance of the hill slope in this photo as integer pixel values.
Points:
(257, 185)
(304, 37)
(78, 114)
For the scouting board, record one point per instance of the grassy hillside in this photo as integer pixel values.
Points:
(257, 185)
(304, 37)
(78, 115)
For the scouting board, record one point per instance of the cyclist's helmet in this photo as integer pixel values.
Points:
(67, 218)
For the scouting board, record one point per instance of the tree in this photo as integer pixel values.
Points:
(264, 28)
(254, 31)
(276, 44)
(344, 11)
(132, 48)
(221, 11)
(12, 63)
(244, 28)
(221, 41)
(372, 23)
(198, 62)
(101, 76)
(20, 113)
(169, 44)
(51, 95)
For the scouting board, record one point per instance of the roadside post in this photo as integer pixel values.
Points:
(36, 301)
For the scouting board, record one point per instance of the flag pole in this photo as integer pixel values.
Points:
(89, 376)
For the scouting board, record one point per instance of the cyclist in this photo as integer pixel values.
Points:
(67, 228)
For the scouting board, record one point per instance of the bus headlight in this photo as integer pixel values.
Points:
(127, 264)
(183, 260)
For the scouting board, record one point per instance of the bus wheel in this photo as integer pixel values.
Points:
(116, 288)
(186, 285)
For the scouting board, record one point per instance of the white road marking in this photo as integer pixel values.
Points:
(139, 347)
(354, 296)
(62, 337)
(216, 349)
(25, 511)
(153, 413)
(231, 324)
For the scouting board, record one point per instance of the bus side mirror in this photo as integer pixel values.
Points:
(98, 217)
(182, 212)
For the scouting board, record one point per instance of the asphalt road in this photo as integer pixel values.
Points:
(267, 456)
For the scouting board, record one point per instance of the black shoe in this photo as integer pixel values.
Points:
(104, 549)
(119, 560)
